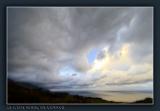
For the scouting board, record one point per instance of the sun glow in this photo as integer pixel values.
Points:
(108, 62)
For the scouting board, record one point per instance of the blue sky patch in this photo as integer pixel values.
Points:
(92, 55)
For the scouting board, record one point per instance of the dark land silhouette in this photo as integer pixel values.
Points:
(146, 100)
(19, 92)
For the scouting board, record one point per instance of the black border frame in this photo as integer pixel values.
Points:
(156, 33)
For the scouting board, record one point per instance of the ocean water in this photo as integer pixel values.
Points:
(117, 96)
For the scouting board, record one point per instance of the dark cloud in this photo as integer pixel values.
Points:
(101, 55)
(129, 82)
(74, 74)
(41, 41)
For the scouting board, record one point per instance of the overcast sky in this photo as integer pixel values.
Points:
(81, 48)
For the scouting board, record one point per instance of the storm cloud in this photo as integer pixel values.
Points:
(49, 46)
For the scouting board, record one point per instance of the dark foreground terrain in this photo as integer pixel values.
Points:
(27, 93)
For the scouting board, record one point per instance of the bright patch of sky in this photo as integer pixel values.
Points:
(92, 55)
(67, 71)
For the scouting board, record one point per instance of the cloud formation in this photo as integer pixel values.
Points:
(49, 46)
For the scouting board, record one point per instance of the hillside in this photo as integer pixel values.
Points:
(27, 93)
(146, 100)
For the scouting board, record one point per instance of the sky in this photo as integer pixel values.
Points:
(81, 48)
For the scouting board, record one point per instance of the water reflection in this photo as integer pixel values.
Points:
(117, 96)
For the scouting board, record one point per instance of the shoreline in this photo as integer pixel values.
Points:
(27, 93)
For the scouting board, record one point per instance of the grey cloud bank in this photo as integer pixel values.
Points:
(42, 41)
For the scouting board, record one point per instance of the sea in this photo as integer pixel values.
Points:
(116, 96)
